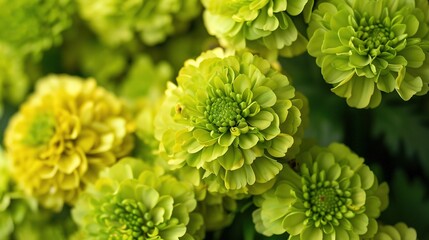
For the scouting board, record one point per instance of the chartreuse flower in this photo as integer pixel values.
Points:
(261, 25)
(399, 231)
(63, 135)
(230, 116)
(331, 194)
(132, 200)
(119, 21)
(33, 26)
(368, 47)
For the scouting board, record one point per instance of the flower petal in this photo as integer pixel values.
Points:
(294, 222)
(264, 96)
(247, 141)
(262, 120)
(312, 233)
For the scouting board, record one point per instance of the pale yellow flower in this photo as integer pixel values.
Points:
(63, 135)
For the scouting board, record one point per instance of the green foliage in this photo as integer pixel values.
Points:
(403, 129)
(409, 202)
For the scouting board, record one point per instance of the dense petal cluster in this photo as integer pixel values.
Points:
(33, 26)
(368, 47)
(230, 116)
(399, 231)
(132, 200)
(330, 195)
(66, 132)
(119, 21)
(261, 25)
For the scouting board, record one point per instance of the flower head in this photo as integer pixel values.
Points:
(399, 231)
(230, 116)
(132, 200)
(368, 47)
(332, 195)
(33, 26)
(261, 25)
(66, 132)
(118, 21)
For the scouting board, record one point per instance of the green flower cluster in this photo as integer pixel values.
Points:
(261, 25)
(27, 28)
(330, 194)
(231, 116)
(178, 159)
(118, 21)
(33, 26)
(368, 47)
(132, 200)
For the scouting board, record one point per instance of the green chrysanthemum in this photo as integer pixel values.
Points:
(131, 200)
(368, 47)
(63, 135)
(331, 195)
(33, 26)
(231, 116)
(399, 231)
(261, 25)
(118, 21)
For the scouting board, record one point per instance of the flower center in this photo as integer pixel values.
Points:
(326, 203)
(40, 131)
(324, 200)
(375, 36)
(223, 112)
(131, 220)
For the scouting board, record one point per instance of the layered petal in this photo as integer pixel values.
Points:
(232, 116)
(365, 50)
(63, 135)
(331, 193)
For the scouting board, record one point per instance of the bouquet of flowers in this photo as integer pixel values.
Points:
(214, 119)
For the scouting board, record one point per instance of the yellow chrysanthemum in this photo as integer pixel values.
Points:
(66, 132)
